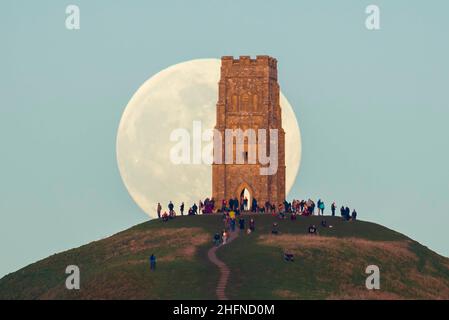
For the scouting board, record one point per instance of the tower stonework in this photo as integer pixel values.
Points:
(248, 98)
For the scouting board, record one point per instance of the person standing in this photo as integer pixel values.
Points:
(181, 208)
(201, 206)
(225, 236)
(333, 208)
(254, 205)
(245, 204)
(321, 207)
(233, 224)
(159, 209)
(242, 224)
(153, 262)
(347, 213)
(354, 215)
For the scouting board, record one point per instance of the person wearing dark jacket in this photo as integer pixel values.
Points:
(153, 262)
(242, 224)
(333, 208)
(181, 208)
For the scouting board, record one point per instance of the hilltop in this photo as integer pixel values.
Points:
(329, 266)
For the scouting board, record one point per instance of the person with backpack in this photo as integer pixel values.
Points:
(321, 207)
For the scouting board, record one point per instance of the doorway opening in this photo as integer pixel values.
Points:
(245, 200)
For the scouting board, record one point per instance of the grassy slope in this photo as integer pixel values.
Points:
(117, 267)
(336, 268)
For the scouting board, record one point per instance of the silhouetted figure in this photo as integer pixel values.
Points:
(254, 205)
(181, 208)
(232, 225)
(152, 262)
(159, 209)
(267, 207)
(354, 215)
(312, 208)
(245, 204)
(236, 204)
(347, 213)
(242, 224)
(333, 208)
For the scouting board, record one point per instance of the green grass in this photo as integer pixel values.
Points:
(110, 269)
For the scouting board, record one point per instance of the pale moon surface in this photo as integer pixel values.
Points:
(172, 99)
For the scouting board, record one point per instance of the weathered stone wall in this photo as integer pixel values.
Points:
(249, 99)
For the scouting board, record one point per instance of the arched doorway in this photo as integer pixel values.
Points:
(245, 199)
(244, 191)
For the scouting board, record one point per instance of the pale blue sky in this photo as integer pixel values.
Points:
(373, 107)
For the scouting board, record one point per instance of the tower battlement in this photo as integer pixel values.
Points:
(260, 60)
(253, 67)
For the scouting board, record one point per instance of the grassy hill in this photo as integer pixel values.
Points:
(329, 266)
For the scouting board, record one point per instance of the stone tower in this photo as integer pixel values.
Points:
(248, 98)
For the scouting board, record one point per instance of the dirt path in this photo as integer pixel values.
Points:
(224, 270)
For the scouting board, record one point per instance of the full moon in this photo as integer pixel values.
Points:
(173, 99)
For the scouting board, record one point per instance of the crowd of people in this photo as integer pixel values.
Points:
(232, 210)
(232, 219)
(296, 207)
(204, 207)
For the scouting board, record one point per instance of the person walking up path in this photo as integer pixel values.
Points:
(223, 268)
